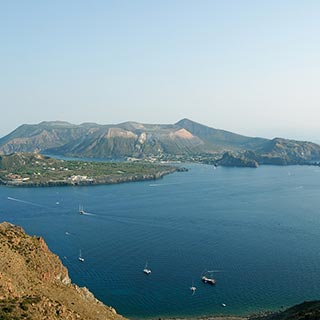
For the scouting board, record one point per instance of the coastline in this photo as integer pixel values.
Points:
(36, 170)
(259, 315)
(104, 180)
(205, 318)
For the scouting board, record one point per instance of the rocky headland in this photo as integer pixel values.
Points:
(35, 285)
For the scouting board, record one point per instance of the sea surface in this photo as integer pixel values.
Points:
(257, 229)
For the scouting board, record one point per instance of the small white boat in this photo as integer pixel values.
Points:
(146, 270)
(223, 304)
(208, 279)
(193, 288)
(81, 211)
(81, 259)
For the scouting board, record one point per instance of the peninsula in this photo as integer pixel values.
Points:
(32, 170)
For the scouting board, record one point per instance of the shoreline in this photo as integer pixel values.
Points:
(35, 170)
(107, 180)
(253, 316)
(202, 318)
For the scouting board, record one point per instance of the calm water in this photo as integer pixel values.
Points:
(259, 229)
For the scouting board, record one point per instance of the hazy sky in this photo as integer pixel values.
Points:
(252, 67)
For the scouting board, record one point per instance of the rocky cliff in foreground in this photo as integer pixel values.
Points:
(35, 285)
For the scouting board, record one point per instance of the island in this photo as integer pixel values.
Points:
(183, 141)
(32, 170)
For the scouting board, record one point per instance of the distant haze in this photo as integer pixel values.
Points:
(251, 67)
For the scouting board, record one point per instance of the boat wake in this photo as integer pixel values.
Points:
(88, 214)
(161, 184)
(26, 202)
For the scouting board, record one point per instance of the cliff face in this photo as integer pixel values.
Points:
(241, 160)
(35, 285)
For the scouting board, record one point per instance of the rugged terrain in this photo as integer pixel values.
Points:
(185, 140)
(35, 285)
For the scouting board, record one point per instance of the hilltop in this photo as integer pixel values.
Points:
(35, 285)
(184, 140)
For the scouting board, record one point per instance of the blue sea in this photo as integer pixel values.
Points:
(257, 229)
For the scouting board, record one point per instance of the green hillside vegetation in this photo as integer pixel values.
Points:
(35, 169)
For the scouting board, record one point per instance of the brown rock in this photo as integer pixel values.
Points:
(34, 283)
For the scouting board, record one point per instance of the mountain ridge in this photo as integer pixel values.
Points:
(184, 140)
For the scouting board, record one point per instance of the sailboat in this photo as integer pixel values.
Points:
(146, 270)
(81, 211)
(81, 259)
(193, 288)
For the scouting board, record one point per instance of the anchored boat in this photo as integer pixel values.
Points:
(193, 288)
(146, 270)
(206, 278)
(81, 259)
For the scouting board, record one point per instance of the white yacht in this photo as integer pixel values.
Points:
(81, 211)
(146, 270)
(208, 279)
(81, 259)
(193, 288)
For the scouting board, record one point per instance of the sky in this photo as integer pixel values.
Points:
(248, 66)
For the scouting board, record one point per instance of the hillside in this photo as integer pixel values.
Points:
(101, 141)
(282, 151)
(220, 139)
(35, 285)
(37, 137)
(185, 140)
